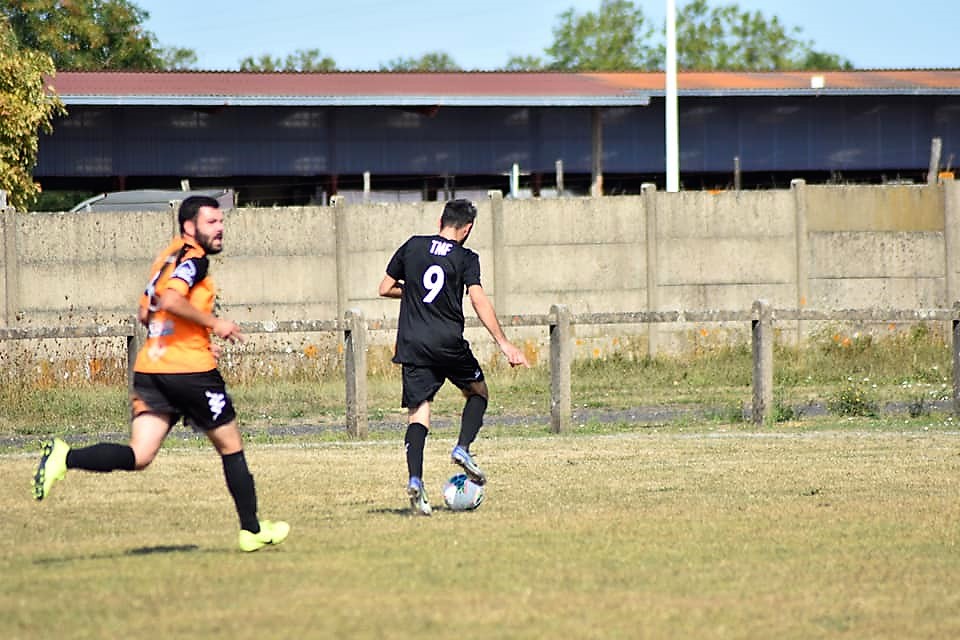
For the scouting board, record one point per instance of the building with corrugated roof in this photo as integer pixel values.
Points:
(294, 138)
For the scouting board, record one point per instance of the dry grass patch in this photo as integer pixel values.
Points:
(738, 534)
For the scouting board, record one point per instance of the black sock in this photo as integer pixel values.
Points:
(103, 457)
(240, 484)
(471, 420)
(413, 442)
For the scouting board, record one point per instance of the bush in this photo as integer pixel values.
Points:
(855, 398)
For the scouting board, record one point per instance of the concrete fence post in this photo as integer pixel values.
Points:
(11, 267)
(956, 357)
(343, 255)
(561, 357)
(355, 367)
(499, 283)
(650, 205)
(802, 251)
(762, 362)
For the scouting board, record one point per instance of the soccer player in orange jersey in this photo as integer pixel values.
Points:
(176, 376)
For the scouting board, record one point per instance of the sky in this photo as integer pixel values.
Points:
(484, 34)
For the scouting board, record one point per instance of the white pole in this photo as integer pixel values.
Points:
(515, 181)
(672, 135)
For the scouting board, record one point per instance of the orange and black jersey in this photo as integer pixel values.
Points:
(174, 344)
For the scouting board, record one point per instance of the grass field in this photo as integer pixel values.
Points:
(842, 528)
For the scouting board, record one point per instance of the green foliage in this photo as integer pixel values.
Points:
(730, 39)
(305, 60)
(431, 61)
(524, 63)
(783, 411)
(84, 35)
(178, 58)
(611, 39)
(855, 399)
(27, 108)
(60, 200)
(618, 37)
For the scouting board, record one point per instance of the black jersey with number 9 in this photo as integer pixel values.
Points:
(435, 272)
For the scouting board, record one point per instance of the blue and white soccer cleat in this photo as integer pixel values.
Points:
(419, 502)
(462, 457)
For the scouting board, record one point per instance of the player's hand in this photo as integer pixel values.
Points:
(514, 355)
(228, 330)
(216, 350)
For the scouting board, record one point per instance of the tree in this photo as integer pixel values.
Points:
(728, 38)
(431, 61)
(27, 108)
(300, 60)
(178, 58)
(524, 63)
(90, 34)
(617, 37)
(612, 39)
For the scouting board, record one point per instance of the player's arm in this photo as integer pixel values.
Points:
(488, 317)
(390, 287)
(173, 301)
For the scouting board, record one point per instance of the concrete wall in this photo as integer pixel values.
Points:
(820, 247)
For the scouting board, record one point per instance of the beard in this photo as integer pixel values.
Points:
(207, 243)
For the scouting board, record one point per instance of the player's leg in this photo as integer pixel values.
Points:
(468, 376)
(147, 432)
(474, 408)
(254, 533)
(414, 441)
(209, 408)
(420, 385)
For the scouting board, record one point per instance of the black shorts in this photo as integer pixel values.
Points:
(421, 383)
(200, 398)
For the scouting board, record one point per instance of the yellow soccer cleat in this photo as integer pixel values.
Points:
(271, 533)
(52, 467)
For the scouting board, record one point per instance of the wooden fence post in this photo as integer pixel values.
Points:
(135, 340)
(355, 352)
(762, 338)
(561, 356)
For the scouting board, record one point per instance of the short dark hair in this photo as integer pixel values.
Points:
(190, 207)
(458, 214)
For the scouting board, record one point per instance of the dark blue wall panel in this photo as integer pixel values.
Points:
(790, 133)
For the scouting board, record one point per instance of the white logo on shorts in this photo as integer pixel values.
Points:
(217, 402)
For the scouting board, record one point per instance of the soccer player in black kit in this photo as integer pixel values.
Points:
(429, 274)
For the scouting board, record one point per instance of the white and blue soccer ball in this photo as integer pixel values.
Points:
(460, 493)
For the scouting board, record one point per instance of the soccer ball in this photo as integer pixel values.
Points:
(460, 493)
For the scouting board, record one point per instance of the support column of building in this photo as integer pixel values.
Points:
(596, 170)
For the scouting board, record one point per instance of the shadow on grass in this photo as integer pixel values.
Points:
(138, 551)
(407, 513)
(163, 548)
(404, 511)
